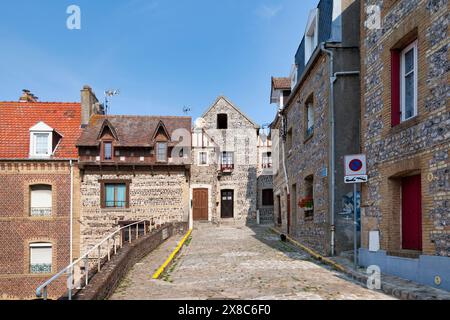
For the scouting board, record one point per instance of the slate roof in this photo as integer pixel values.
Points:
(132, 131)
(16, 119)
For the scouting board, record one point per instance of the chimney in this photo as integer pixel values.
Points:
(27, 96)
(89, 105)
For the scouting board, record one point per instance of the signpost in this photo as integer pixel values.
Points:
(355, 173)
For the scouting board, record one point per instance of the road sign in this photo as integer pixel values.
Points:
(356, 179)
(355, 165)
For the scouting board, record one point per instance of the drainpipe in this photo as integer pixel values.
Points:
(332, 178)
(332, 142)
(71, 211)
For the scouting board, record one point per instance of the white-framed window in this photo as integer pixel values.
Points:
(267, 160)
(294, 71)
(311, 34)
(41, 258)
(41, 141)
(41, 201)
(202, 158)
(408, 81)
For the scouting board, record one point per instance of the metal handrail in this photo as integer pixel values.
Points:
(41, 291)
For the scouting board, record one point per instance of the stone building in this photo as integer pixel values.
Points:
(225, 171)
(38, 174)
(405, 133)
(316, 126)
(132, 168)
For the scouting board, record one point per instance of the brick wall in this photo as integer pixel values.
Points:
(18, 229)
(418, 146)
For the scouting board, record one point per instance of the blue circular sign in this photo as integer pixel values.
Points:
(356, 165)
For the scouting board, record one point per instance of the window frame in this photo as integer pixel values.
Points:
(31, 201)
(166, 144)
(412, 46)
(309, 132)
(267, 161)
(103, 184)
(104, 143)
(39, 245)
(199, 157)
(33, 148)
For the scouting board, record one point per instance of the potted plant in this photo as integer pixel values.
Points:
(307, 204)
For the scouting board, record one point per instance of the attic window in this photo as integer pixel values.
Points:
(41, 141)
(311, 35)
(222, 121)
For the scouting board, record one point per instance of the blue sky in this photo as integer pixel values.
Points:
(161, 54)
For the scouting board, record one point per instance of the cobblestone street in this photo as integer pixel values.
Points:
(230, 262)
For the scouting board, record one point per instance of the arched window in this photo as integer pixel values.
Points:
(40, 200)
(41, 257)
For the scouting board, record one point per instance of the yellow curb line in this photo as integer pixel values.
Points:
(172, 256)
(313, 253)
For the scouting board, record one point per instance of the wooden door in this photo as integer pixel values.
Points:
(200, 204)
(227, 204)
(412, 213)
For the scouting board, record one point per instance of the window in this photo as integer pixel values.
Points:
(309, 119)
(107, 151)
(115, 194)
(289, 140)
(40, 258)
(40, 201)
(161, 152)
(227, 161)
(267, 160)
(294, 72)
(311, 35)
(408, 82)
(267, 197)
(222, 121)
(404, 75)
(41, 145)
(203, 158)
(308, 202)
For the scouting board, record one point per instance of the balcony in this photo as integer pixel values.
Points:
(40, 268)
(226, 168)
(41, 212)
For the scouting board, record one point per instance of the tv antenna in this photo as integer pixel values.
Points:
(186, 110)
(109, 94)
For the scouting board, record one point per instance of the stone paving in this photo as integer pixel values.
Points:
(238, 262)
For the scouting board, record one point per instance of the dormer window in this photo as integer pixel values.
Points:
(161, 152)
(311, 34)
(41, 141)
(107, 151)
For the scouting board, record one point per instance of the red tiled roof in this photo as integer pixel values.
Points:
(16, 119)
(281, 83)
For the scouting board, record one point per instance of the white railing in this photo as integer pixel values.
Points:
(112, 247)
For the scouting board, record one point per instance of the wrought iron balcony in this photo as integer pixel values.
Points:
(41, 268)
(41, 212)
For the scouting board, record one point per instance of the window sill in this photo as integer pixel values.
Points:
(116, 210)
(404, 125)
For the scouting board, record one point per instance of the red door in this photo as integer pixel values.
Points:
(412, 213)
